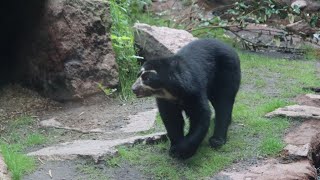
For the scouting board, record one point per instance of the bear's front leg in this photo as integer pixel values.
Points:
(199, 114)
(171, 115)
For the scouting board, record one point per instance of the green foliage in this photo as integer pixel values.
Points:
(123, 44)
(107, 91)
(258, 11)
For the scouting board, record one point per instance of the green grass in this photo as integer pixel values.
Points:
(17, 163)
(311, 53)
(266, 85)
(18, 136)
(270, 145)
(91, 172)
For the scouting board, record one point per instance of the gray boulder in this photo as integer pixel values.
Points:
(156, 41)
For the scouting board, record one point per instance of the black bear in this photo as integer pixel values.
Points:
(203, 70)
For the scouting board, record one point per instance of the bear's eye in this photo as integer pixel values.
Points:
(145, 76)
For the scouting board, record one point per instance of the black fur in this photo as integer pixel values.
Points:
(202, 70)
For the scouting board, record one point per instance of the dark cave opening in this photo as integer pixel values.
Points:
(18, 20)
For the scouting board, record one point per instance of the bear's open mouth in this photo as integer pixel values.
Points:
(143, 93)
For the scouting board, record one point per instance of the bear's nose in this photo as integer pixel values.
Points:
(134, 90)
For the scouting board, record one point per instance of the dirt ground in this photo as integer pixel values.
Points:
(78, 170)
(96, 112)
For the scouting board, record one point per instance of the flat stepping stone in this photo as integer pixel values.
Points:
(95, 149)
(4, 173)
(53, 123)
(272, 169)
(142, 121)
(296, 151)
(139, 122)
(297, 111)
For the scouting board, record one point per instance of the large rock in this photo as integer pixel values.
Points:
(160, 41)
(299, 3)
(71, 50)
(313, 7)
(302, 28)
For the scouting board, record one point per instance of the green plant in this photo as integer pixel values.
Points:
(261, 11)
(258, 11)
(122, 38)
(107, 91)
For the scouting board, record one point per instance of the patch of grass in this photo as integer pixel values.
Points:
(17, 162)
(91, 172)
(18, 136)
(22, 121)
(35, 139)
(311, 53)
(271, 145)
(272, 105)
(260, 83)
(251, 135)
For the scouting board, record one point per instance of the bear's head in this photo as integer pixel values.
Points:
(154, 77)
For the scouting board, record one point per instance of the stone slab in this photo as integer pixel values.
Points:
(297, 111)
(142, 121)
(272, 169)
(95, 149)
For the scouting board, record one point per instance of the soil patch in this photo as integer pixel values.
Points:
(59, 170)
(96, 112)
